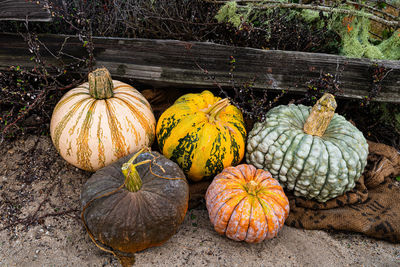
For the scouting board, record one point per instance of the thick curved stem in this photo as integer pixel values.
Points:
(252, 187)
(100, 84)
(133, 182)
(320, 115)
(216, 108)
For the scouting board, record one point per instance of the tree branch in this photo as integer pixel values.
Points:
(276, 4)
(374, 10)
(394, 24)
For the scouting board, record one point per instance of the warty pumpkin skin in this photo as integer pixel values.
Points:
(246, 204)
(203, 134)
(101, 121)
(131, 221)
(312, 166)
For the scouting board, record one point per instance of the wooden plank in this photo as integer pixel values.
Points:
(166, 63)
(22, 10)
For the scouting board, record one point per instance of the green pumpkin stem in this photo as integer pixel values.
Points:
(252, 187)
(321, 115)
(100, 84)
(216, 108)
(133, 182)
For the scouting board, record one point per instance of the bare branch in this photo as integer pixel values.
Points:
(373, 9)
(394, 24)
(277, 4)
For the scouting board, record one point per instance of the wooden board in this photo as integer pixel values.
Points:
(22, 10)
(167, 63)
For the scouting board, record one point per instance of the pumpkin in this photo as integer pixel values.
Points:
(203, 134)
(313, 152)
(133, 204)
(101, 121)
(245, 203)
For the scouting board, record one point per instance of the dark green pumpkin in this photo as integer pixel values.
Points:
(130, 221)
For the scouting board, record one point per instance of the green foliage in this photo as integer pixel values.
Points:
(228, 13)
(391, 46)
(356, 40)
(387, 113)
(274, 28)
(310, 16)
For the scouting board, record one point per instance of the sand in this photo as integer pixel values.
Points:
(33, 175)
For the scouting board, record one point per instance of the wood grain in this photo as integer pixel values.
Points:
(22, 10)
(170, 63)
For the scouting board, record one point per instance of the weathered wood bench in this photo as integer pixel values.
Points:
(22, 10)
(166, 63)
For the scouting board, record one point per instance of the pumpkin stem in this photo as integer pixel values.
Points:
(321, 115)
(100, 84)
(126, 261)
(133, 182)
(252, 187)
(216, 108)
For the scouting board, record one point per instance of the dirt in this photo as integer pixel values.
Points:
(40, 226)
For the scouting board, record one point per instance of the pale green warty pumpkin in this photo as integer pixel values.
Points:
(316, 167)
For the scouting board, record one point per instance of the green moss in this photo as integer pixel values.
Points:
(386, 113)
(228, 13)
(312, 16)
(356, 41)
(373, 52)
(391, 46)
(351, 45)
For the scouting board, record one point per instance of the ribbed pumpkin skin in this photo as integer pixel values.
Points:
(314, 167)
(240, 215)
(91, 134)
(133, 221)
(202, 148)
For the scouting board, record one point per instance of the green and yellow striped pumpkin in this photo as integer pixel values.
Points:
(203, 134)
(101, 121)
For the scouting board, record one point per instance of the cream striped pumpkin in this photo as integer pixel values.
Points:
(101, 121)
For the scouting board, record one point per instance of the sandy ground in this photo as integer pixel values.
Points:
(41, 191)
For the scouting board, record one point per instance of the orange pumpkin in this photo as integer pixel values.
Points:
(246, 203)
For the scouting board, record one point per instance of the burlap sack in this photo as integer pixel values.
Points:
(371, 208)
(160, 99)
